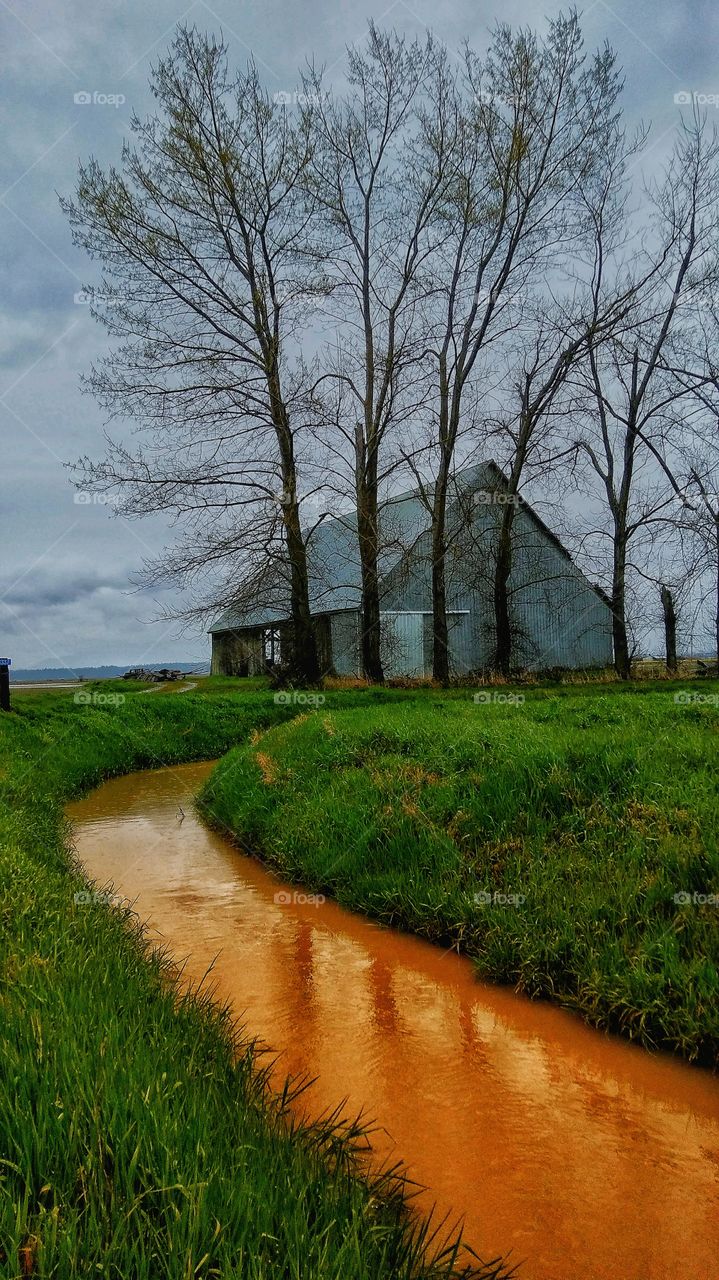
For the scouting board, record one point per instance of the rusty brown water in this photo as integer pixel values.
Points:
(587, 1157)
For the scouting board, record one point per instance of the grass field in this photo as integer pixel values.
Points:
(138, 1138)
(564, 837)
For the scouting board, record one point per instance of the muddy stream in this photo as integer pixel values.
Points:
(588, 1158)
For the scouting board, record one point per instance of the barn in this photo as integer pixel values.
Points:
(559, 618)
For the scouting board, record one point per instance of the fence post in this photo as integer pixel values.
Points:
(5, 684)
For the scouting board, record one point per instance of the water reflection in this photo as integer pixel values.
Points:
(586, 1156)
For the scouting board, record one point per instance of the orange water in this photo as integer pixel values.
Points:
(588, 1158)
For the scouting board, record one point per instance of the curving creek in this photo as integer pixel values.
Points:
(588, 1158)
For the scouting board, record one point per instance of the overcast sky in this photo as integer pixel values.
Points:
(64, 575)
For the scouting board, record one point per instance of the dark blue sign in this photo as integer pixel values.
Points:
(5, 662)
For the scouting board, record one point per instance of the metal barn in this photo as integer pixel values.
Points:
(559, 618)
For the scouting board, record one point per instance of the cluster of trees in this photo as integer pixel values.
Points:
(441, 262)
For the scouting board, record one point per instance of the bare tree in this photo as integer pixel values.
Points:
(641, 382)
(377, 198)
(559, 328)
(705, 528)
(531, 434)
(199, 234)
(695, 515)
(670, 627)
(534, 114)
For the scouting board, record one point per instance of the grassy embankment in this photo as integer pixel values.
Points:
(576, 815)
(138, 1137)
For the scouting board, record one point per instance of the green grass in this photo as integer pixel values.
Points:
(586, 809)
(138, 1137)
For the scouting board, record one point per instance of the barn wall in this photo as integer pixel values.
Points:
(561, 619)
(242, 652)
(345, 642)
(402, 644)
(409, 587)
(323, 639)
(237, 653)
(558, 619)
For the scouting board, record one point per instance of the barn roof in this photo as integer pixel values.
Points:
(333, 553)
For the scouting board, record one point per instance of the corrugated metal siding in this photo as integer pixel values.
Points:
(462, 657)
(401, 644)
(409, 585)
(345, 643)
(562, 621)
(558, 618)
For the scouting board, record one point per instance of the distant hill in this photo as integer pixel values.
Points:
(98, 673)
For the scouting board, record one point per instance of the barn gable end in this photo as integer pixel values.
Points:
(559, 618)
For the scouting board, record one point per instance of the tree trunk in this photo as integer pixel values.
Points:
(304, 663)
(503, 568)
(670, 629)
(448, 425)
(440, 630)
(502, 620)
(622, 660)
(716, 614)
(368, 537)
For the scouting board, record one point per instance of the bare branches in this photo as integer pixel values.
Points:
(200, 234)
(459, 250)
(641, 379)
